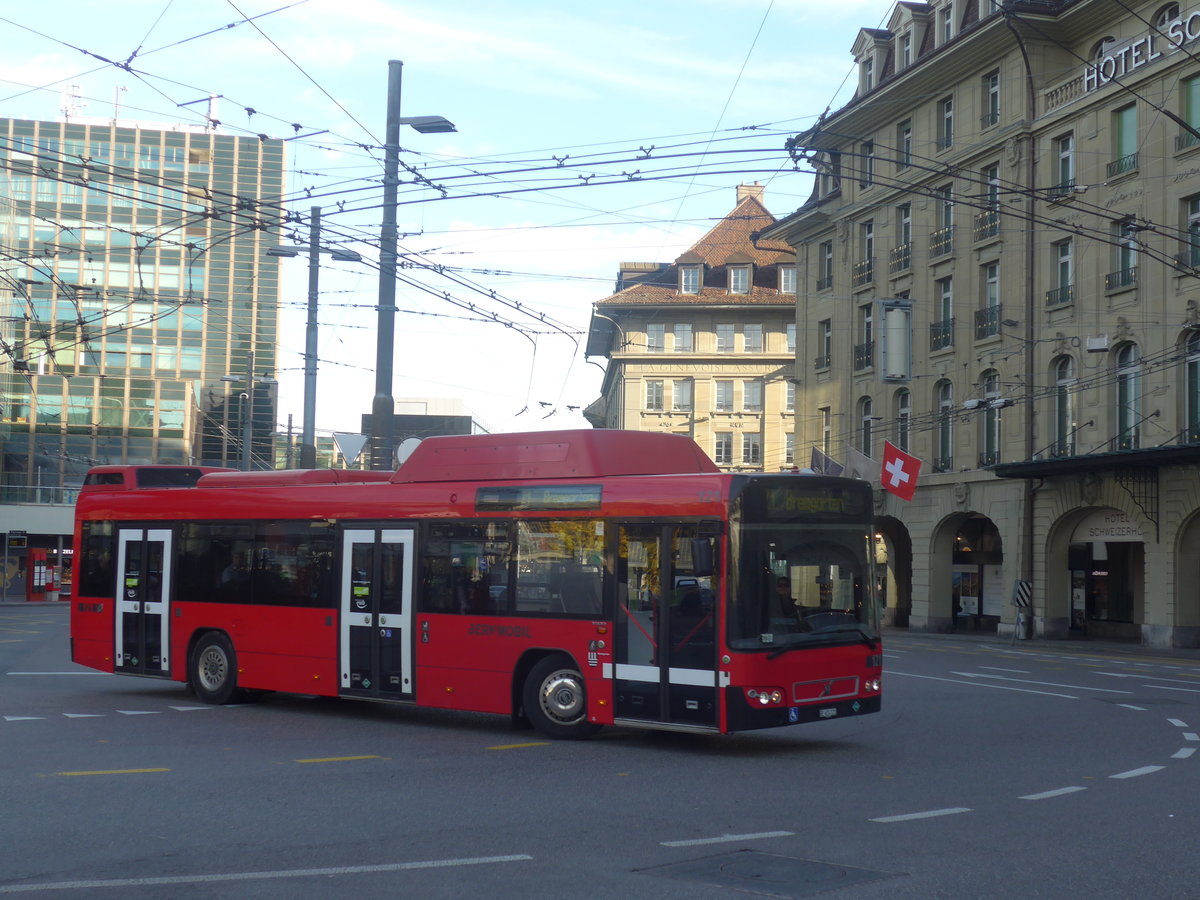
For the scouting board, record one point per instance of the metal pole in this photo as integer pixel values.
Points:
(383, 406)
(308, 437)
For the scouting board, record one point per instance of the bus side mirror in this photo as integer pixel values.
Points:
(702, 557)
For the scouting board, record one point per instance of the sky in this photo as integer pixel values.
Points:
(587, 135)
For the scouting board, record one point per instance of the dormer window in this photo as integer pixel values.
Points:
(689, 279)
(946, 22)
(867, 72)
(787, 279)
(739, 279)
(906, 50)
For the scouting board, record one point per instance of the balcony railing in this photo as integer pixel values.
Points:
(1189, 258)
(1124, 278)
(988, 458)
(941, 241)
(864, 356)
(943, 464)
(1062, 189)
(900, 259)
(941, 334)
(1062, 448)
(989, 118)
(1186, 139)
(824, 283)
(987, 322)
(1123, 164)
(863, 273)
(1060, 296)
(986, 225)
(821, 362)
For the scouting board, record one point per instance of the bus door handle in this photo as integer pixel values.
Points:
(383, 620)
(366, 620)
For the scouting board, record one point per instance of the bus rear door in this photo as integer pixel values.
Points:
(376, 613)
(666, 665)
(143, 590)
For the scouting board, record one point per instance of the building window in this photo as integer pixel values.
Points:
(1063, 291)
(1190, 95)
(825, 266)
(824, 344)
(901, 255)
(906, 49)
(656, 337)
(941, 331)
(790, 396)
(864, 349)
(946, 123)
(1191, 250)
(1166, 15)
(789, 332)
(991, 99)
(739, 279)
(987, 223)
(903, 415)
(1064, 407)
(723, 448)
(789, 448)
(1125, 250)
(867, 152)
(990, 454)
(683, 337)
(1125, 149)
(946, 19)
(826, 415)
(752, 338)
(723, 401)
(904, 145)
(751, 448)
(681, 395)
(943, 460)
(866, 426)
(1064, 165)
(941, 240)
(654, 395)
(867, 74)
(787, 279)
(1129, 397)
(752, 396)
(987, 317)
(1192, 388)
(689, 279)
(725, 338)
(864, 269)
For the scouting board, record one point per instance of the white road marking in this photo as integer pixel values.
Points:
(138, 712)
(84, 715)
(929, 814)
(190, 708)
(998, 669)
(997, 687)
(249, 876)
(1135, 773)
(1074, 687)
(1159, 687)
(1046, 795)
(56, 673)
(1185, 753)
(728, 838)
(1178, 723)
(22, 718)
(1190, 736)
(1131, 706)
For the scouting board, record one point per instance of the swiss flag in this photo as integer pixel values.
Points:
(899, 471)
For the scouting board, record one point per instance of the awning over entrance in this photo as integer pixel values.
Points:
(1152, 458)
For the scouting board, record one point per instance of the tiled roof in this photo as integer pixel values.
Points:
(729, 241)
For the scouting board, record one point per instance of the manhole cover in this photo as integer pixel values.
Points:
(769, 873)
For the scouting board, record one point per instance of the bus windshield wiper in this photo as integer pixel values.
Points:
(871, 642)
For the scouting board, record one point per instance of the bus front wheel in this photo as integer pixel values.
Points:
(555, 699)
(213, 672)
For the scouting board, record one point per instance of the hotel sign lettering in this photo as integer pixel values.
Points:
(1119, 61)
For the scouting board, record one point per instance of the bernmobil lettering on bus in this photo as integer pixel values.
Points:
(571, 579)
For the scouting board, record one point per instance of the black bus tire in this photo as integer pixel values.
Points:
(213, 669)
(555, 699)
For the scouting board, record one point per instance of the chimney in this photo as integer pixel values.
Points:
(750, 190)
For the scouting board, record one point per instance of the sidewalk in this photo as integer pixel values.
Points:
(1081, 646)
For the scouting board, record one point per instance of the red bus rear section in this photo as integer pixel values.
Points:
(570, 579)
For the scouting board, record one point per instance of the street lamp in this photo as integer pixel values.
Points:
(383, 406)
(308, 433)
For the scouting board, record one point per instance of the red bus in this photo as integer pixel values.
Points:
(568, 579)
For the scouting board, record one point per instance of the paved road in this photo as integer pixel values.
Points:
(996, 770)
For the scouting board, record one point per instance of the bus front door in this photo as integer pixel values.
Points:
(376, 613)
(665, 647)
(143, 591)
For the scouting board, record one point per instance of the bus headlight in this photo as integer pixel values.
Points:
(764, 696)
(872, 684)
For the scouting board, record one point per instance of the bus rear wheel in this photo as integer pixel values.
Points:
(213, 670)
(555, 699)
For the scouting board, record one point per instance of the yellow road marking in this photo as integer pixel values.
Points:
(326, 759)
(115, 772)
(520, 746)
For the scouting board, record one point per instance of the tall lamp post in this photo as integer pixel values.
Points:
(383, 406)
(308, 429)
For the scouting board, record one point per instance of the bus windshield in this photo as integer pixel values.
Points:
(803, 566)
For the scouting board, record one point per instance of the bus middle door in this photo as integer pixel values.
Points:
(143, 590)
(376, 613)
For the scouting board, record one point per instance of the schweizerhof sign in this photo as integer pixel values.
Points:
(1124, 59)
